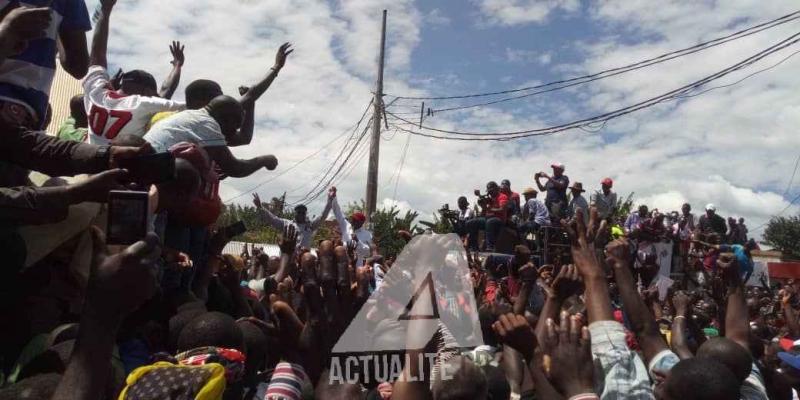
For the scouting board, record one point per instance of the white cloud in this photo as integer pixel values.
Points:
(735, 147)
(518, 12)
(437, 18)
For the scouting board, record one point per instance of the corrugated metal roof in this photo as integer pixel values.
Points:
(64, 87)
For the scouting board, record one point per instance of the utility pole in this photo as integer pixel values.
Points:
(374, 146)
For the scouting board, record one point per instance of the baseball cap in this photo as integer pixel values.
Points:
(140, 77)
(359, 216)
(711, 207)
(607, 181)
(557, 164)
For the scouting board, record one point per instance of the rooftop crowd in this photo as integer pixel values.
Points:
(90, 315)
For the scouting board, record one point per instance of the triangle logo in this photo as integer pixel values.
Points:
(424, 299)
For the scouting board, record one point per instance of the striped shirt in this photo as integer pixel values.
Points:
(26, 78)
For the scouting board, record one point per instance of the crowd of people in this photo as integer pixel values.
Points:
(89, 314)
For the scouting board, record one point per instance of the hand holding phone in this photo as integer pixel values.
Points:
(127, 216)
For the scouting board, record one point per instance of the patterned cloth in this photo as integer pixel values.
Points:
(231, 359)
(624, 373)
(167, 381)
(286, 382)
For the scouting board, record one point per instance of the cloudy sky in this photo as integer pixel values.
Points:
(735, 146)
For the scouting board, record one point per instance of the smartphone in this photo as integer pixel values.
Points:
(127, 217)
(150, 169)
(236, 229)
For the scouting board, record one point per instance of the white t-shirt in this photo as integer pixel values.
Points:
(111, 114)
(195, 126)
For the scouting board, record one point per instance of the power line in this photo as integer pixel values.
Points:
(311, 195)
(402, 163)
(295, 165)
(674, 94)
(791, 203)
(791, 180)
(657, 59)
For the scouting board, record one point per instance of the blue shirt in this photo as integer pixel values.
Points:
(744, 261)
(26, 78)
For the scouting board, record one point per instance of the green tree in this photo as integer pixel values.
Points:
(783, 233)
(624, 207)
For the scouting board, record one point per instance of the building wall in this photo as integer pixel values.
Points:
(64, 87)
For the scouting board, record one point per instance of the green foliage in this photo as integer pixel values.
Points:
(783, 233)
(438, 225)
(624, 207)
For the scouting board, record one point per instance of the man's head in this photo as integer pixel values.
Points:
(505, 186)
(558, 168)
(200, 92)
(227, 112)
(750, 245)
(139, 82)
(686, 208)
(177, 192)
(300, 212)
(698, 379)
(643, 211)
(463, 203)
(731, 354)
(576, 189)
(358, 219)
(529, 193)
(711, 209)
(731, 222)
(606, 184)
(77, 111)
(211, 329)
(492, 188)
(741, 220)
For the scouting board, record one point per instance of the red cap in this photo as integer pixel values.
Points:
(359, 216)
(607, 181)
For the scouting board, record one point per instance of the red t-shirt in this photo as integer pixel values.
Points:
(499, 202)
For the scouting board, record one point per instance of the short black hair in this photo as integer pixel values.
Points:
(76, 107)
(701, 379)
(731, 354)
(300, 208)
(177, 323)
(211, 329)
(200, 92)
(141, 78)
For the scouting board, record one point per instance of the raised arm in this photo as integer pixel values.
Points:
(538, 184)
(239, 168)
(642, 321)
(174, 77)
(267, 216)
(20, 25)
(327, 210)
(737, 326)
(341, 220)
(258, 89)
(788, 312)
(598, 300)
(72, 52)
(108, 301)
(679, 343)
(100, 37)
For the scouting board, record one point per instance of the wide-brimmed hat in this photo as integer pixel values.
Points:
(577, 186)
(529, 190)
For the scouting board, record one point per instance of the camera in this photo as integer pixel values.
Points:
(447, 213)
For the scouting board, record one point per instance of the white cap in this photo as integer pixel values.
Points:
(556, 164)
(711, 207)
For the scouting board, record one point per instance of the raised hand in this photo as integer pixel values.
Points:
(120, 283)
(108, 4)
(19, 25)
(177, 54)
(567, 282)
(618, 253)
(681, 302)
(582, 237)
(332, 193)
(514, 331)
(571, 369)
(257, 200)
(288, 241)
(280, 57)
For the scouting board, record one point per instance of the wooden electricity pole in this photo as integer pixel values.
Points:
(374, 145)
